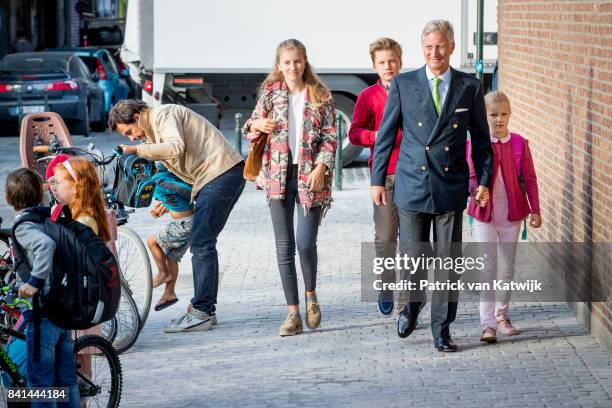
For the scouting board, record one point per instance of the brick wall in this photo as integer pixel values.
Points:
(555, 65)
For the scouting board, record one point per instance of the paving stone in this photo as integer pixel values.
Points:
(356, 358)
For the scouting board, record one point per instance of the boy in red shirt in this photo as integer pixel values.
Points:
(386, 57)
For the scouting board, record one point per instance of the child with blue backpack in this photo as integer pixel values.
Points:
(514, 198)
(50, 349)
(172, 195)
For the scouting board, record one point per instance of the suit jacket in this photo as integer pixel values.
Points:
(432, 173)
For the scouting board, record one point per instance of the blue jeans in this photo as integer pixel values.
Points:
(213, 205)
(56, 366)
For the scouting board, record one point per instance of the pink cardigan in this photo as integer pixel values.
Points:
(503, 158)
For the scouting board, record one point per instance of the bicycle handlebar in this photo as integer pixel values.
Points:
(9, 300)
(40, 149)
(76, 150)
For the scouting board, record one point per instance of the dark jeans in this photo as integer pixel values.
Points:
(56, 366)
(414, 241)
(212, 209)
(307, 230)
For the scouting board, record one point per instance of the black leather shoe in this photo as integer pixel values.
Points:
(443, 345)
(406, 322)
(451, 343)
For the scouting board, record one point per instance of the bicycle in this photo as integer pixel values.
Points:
(102, 386)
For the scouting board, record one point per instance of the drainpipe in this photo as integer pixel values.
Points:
(479, 40)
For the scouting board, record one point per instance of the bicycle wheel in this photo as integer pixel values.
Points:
(109, 329)
(135, 267)
(102, 385)
(127, 322)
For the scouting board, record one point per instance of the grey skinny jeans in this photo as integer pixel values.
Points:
(307, 230)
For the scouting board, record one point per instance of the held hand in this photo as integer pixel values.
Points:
(158, 209)
(482, 196)
(535, 220)
(27, 291)
(264, 125)
(129, 149)
(378, 195)
(316, 178)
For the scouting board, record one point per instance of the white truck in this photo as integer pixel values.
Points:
(212, 55)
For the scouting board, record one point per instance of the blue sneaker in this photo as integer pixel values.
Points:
(385, 307)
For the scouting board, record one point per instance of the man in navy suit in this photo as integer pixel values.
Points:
(434, 106)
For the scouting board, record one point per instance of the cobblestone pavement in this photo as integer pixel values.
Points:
(355, 359)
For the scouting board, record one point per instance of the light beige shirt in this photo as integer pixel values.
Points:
(187, 144)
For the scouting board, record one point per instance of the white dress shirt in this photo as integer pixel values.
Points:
(444, 84)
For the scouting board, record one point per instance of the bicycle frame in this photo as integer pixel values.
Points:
(6, 363)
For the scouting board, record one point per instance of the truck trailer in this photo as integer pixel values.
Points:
(213, 55)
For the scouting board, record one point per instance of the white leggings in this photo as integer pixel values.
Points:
(492, 312)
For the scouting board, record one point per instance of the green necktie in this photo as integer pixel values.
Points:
(436, 95)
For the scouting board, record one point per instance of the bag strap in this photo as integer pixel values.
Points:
(518, 143)
(34, 214)
(518, 146)
(57, 211)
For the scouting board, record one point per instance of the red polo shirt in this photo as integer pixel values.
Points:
(366, 121)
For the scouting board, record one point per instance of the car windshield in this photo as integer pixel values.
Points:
(33, 64)
(91, 62)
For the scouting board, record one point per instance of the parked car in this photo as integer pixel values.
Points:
(106, 73)
(124, 72)
(50, 82)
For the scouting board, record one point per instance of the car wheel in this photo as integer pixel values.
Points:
(345, 108)
(82, 126)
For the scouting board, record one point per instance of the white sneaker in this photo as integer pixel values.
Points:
(213, 317)
(193, 320)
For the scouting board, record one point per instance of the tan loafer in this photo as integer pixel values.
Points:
(291, 326)
(313, 313)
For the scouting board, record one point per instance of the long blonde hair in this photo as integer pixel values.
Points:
(317, 91)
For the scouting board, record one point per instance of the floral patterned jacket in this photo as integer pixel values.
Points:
(317, 144)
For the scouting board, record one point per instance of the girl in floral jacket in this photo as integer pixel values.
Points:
(296, 114)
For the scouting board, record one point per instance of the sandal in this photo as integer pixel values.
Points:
(164, 303)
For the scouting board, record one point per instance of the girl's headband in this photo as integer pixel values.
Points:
(69, 169)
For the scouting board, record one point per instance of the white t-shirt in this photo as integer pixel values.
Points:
(296, 122)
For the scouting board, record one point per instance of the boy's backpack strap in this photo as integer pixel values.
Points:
(36, 322)
(36, 215)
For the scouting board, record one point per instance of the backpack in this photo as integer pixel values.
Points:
(84, 283)
(133, 185)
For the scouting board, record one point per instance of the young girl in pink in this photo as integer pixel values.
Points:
(514, 197)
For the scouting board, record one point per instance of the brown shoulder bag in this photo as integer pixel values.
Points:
(252, 164)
